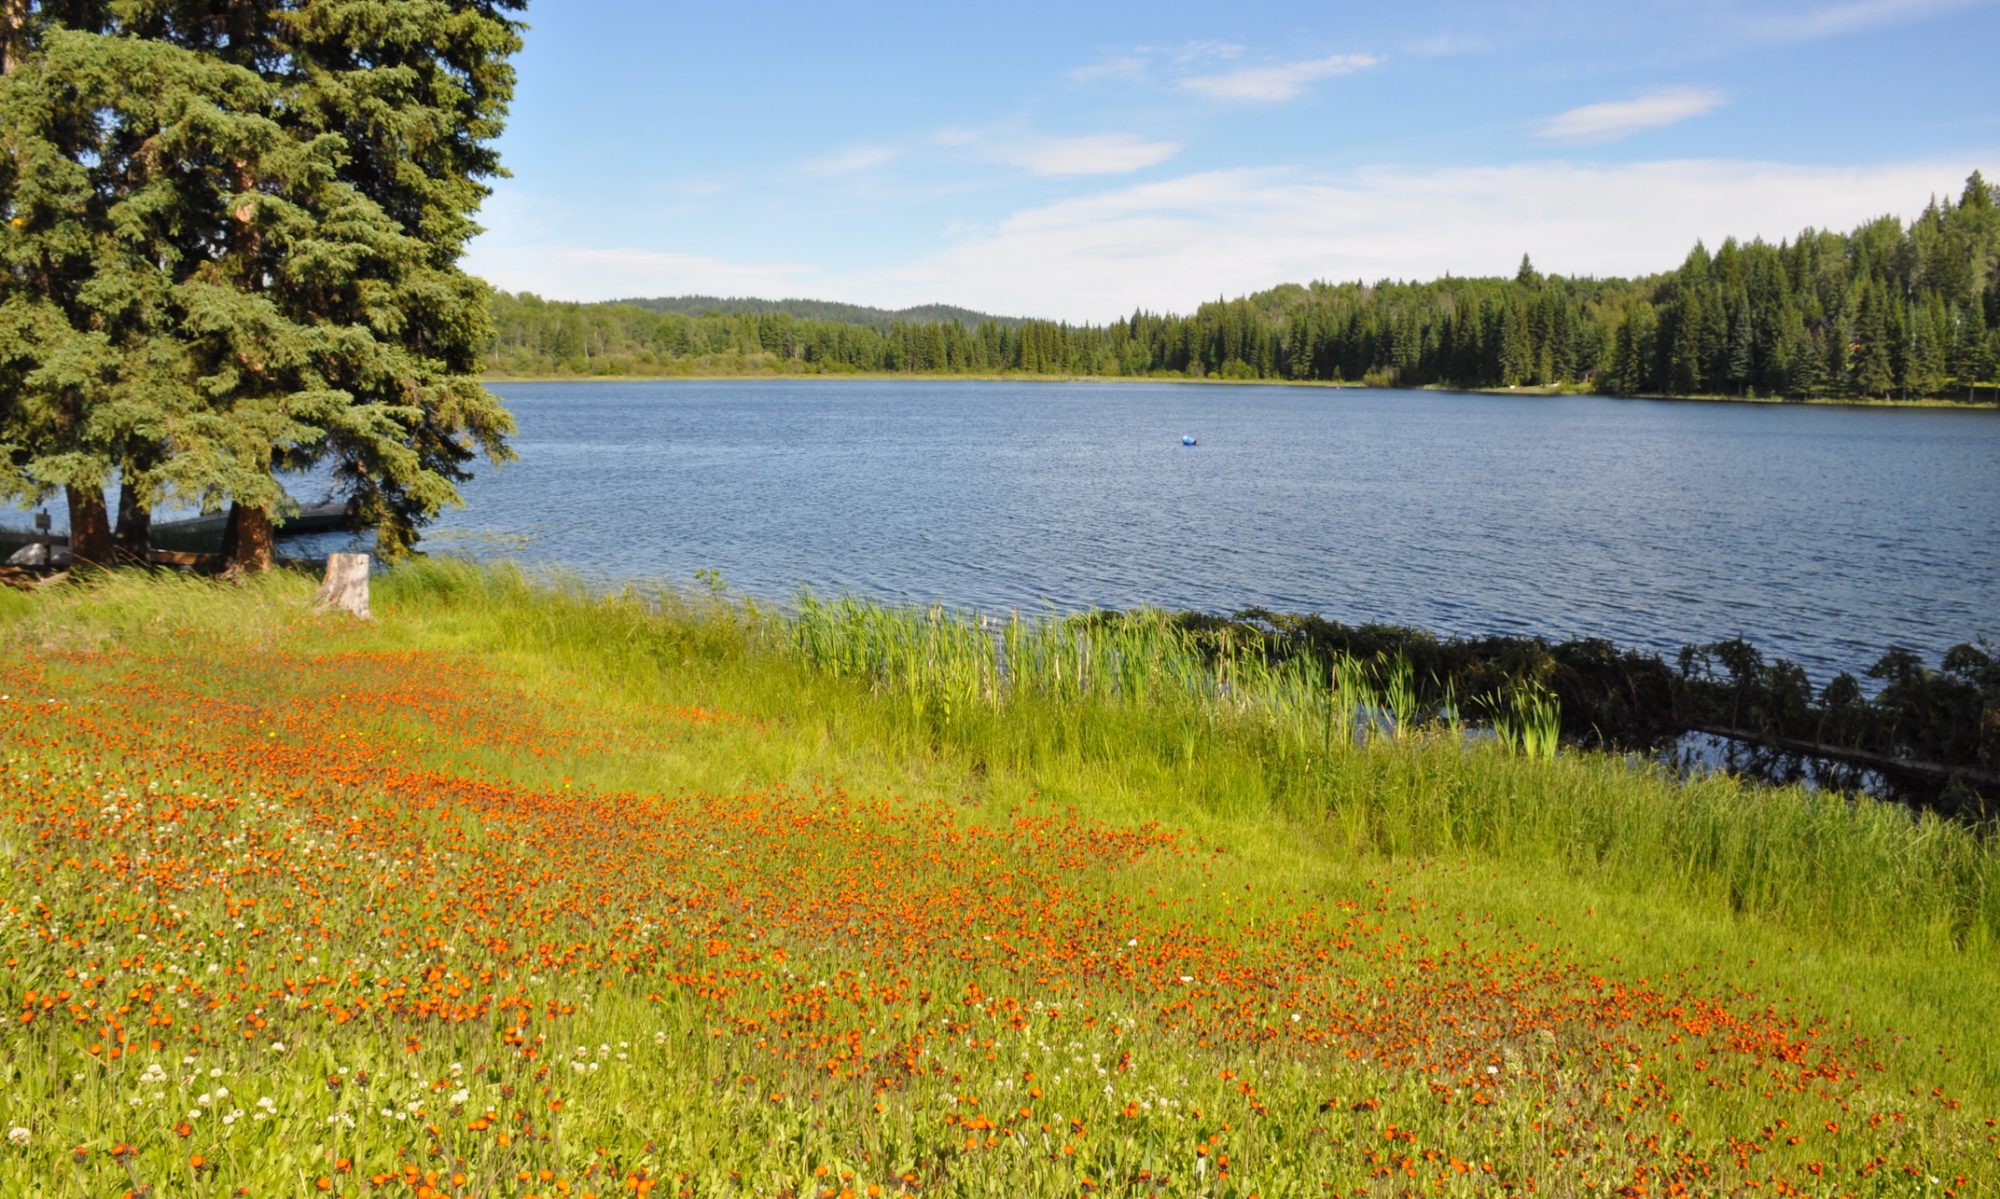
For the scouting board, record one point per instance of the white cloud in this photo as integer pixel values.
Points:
(1833, 20)
(1094, 154)
(852, 160)
(1172, 244)
(1275, 84)
(1614, 119)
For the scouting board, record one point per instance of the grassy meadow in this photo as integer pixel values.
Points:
(521, 891)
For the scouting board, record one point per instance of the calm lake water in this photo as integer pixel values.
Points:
(1822, 534)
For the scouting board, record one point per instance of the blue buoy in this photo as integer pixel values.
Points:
(1187, 440)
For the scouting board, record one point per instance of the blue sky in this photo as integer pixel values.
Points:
(1078, 161)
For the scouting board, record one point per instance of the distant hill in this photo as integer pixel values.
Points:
(823, 310)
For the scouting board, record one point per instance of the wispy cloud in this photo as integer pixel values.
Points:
(1450, 45)
(1141, 62)
(1094, 154)
(852, 160)
(1275, 84)
(1119, 66)
(1172, 243)
(1614, 119)
(1855, 16)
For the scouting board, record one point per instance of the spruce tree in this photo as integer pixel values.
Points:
(1683, 321)
(1874, 370)
(254, 213)
(1928, 371)
(1967, 346)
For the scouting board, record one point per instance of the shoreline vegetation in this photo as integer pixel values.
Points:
(664, 892)
(1918, 733)
(1989, 394)
(1890, 311)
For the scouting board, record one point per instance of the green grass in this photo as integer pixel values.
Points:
(1884, 921)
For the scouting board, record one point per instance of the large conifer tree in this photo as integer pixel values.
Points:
(254, 242)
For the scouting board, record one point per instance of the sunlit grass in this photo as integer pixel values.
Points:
(559, 805)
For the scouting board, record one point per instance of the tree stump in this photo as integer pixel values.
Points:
(346, 585)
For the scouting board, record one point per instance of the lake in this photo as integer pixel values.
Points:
(1823, 534)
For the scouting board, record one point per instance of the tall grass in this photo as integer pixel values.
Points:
(1122, 713)
(1107, 708)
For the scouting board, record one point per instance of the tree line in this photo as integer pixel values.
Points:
(229, 243)
(1890, 310)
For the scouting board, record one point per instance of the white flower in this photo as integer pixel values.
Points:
(460, 1096)
(277, 1047)
(17, 1135)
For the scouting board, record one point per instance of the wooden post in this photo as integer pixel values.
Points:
(346, 585)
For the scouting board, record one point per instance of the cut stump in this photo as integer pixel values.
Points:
(346, 585)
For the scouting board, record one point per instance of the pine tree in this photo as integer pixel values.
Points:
(1806, 376)
(1874, 370)
(1517, 353)
(1968, 342)
(1736, 367)
(258, 256)
(1928, 371)
(1682, 323)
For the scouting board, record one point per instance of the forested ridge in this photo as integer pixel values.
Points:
(1887, 311)
(818, 310)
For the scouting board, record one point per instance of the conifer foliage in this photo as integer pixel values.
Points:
(231, 246)
(1889, 310)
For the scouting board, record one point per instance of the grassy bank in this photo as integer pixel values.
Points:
(522, 891)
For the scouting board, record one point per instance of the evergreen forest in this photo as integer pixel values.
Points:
(1887, 311)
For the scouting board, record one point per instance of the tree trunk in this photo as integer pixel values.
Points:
(133, 538)
(346, 585)
(13, 22)
(247, 541)
(89, 527)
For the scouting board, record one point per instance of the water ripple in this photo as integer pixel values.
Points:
(1822, 534)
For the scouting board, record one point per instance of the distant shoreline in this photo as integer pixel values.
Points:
(1534, 390)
